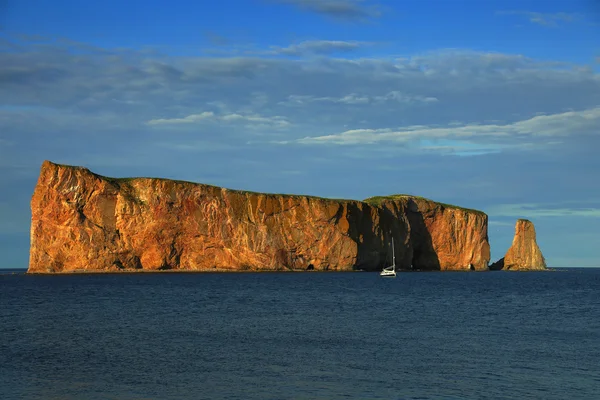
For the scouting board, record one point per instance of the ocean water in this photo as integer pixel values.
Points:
(423, 335)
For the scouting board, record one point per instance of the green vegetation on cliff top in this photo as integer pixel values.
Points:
(378, 201)
(375, 201)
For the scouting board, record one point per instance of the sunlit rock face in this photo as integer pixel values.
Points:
(441, 236)
(82, 222)
(524, 253)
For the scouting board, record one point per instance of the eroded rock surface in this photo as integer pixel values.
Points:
(442, 237)
(82, 221)
(524, 253)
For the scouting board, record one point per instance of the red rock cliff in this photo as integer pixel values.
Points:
(86, 222)
(524, 253)
(442, 236)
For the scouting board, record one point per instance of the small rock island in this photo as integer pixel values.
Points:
(524, 253)
(84, 222)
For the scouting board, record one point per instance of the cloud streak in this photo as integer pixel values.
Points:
(536, 210)
(551, 20)
(549, 128)
(354, 98)
(190, 119)
(248, 120)
(351, 10)
(320, 47)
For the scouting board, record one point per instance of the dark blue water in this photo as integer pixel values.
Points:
(490, 335)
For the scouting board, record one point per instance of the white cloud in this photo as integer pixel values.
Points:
(275, 121)
(585, 122)
(320, 47)
(400, 97)
(354, 98)
(534, 210)
(190, 119)
(351, 98)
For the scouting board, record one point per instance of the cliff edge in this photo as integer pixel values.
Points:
(84, 222)
(524, 253)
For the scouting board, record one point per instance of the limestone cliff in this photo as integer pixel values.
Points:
(82, 221)
(524, 253)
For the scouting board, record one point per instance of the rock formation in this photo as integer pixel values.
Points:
(82, 221)
(442, 236)
(524, 253)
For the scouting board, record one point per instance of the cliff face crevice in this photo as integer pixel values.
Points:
(85, 222)
(444, 237)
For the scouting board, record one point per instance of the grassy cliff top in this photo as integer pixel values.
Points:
(375, 201)
(379, 200)
(129, 180)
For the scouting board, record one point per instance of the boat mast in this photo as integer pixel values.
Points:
(393, 253)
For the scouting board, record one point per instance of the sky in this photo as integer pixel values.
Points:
(492, 105)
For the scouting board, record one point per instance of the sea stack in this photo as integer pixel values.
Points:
(524, 253)
(85, 222)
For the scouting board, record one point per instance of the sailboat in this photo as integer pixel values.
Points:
(390, 271)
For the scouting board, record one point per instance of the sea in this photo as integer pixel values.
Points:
(301, 335)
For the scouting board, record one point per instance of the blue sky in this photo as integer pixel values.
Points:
(493, 105)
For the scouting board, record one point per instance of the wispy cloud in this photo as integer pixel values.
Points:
(320, 47)
(585, 122)
(298, 100)
(277, 121)
(190, 119)
(411, 102)
(354, 98)
(340, 9)
(544, 19)
(197, 146)
(536, 210)
(253, 119)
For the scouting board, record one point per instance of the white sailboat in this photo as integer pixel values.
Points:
(390, 271)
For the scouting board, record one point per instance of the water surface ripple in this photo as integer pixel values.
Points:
(483, 335)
